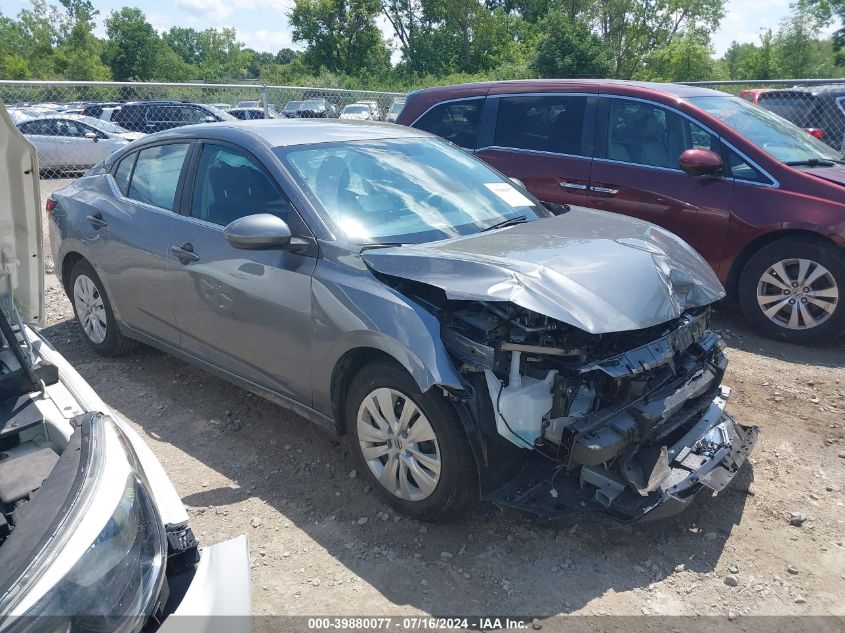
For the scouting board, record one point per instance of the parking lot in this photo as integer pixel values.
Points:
(322, 542)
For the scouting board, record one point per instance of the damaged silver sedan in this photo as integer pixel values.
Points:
(380, 282)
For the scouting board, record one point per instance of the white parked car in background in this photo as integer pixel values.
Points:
(93, 536)
(357, 112)
(73, 142)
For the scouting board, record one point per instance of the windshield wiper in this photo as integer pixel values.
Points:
(381, 245)
(509, 222)
(814, 162)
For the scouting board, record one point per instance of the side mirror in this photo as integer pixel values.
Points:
(519, 183)
(209, 119)
(258, 232)
(92, 136)
(701, 162)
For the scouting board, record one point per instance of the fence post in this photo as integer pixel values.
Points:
(264, 101)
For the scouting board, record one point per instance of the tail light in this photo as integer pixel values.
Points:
(815, 132)
(51, 204)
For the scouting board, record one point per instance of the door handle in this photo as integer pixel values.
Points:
(574, 186)
(96, 220)
(608, 191)
(185, 253)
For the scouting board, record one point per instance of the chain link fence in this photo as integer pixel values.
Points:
(74, 125)
(817, 105)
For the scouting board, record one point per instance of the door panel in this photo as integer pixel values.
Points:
(134, 256)
(546, 142)
(637, 174)
(247, 311)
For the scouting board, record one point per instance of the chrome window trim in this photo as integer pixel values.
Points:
(839, 101)
(533, 151)
(774, 183)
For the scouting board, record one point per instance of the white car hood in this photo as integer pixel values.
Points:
(21, 249)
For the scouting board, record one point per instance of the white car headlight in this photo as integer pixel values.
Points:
(104, 567)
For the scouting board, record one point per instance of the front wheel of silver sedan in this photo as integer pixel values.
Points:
(794, 290)
(94, 313)
(409, 444)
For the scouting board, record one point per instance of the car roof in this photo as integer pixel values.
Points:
(677, 90)
(290, 132)
(90, 120)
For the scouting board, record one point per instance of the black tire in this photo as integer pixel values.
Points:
(457, 484)
(114, 343)
(829, 327)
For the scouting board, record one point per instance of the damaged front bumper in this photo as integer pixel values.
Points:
(707, 457)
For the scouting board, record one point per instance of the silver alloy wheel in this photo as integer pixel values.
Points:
(399, 444)
(798, 294)
(89, 308)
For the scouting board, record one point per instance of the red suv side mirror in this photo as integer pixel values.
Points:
(701, 162)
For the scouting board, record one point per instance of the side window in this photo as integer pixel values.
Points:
(124, 171)
(70, 128)
(741, 169)
(230, 185)
(456, 121)
(192, 115)
(156, 174)
(647, 134)
(45, 127)
(542, 123)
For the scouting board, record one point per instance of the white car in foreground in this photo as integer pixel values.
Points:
(93, 535)
(73, 142)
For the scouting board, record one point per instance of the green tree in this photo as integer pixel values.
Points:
(78, 57)
(185, 43)
(569, 49)
(132, 47)
(633, 29)
(686, 58)
(797, 52)
(341, 35)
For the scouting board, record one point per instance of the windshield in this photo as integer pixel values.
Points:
(314, 103)
(776, 136)
(409, 190)
(291, 105)
(354, 109)
(220, 114)
(397, 106)
(105, 126)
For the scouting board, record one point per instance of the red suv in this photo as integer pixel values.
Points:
(759, 198)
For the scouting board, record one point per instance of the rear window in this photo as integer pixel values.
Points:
(795, 107)
(456, 121)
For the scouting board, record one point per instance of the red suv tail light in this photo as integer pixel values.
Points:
(815, 132)
(51, 204)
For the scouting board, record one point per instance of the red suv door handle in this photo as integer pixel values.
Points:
(574, 186)
(608, 191)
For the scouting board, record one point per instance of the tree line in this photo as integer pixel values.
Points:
(434, 41)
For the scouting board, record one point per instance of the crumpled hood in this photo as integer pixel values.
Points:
(598, 271)
(21, 252)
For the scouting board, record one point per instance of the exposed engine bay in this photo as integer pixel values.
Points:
(636, 419)
(34, 428)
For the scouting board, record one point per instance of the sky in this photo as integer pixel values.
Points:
(261, 24)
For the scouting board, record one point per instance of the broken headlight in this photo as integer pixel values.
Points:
(103, 569)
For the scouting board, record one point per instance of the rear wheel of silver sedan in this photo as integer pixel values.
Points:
(794, 290)
(409, 444)
(94, 313)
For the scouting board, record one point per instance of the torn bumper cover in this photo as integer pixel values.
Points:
(707, 457)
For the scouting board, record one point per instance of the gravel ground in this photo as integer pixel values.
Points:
(322, 542)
